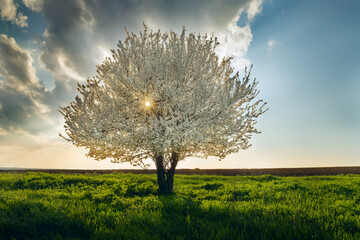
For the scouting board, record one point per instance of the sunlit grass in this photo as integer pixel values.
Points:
(126, 206)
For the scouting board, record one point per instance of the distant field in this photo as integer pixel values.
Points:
(223, 172)
(127, 206)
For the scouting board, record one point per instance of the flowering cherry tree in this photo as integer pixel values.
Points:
(164, 97)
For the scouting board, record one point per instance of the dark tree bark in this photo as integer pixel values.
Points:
(165, 177)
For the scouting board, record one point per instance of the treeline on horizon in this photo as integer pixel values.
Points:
(198, 171)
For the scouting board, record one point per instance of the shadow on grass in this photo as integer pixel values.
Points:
(24, 220)
(160, 217)
(264, 178)
(184, 218)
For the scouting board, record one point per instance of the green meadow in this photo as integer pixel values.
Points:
(127, 206)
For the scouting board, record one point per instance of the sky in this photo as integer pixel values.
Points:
(305, 56)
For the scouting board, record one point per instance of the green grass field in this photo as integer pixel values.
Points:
(126, 206)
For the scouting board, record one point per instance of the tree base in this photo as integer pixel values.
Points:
(165, 178)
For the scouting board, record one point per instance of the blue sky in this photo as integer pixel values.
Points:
(305, 55)
(310, 78)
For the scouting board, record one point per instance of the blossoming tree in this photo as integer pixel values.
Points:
(164, 97)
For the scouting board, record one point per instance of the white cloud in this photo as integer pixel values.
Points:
(17, 68)
(8, 12)
(21, 20)
(271, 44)
(254, 8)
(23, 108)
(3, 132)
(67, 70)
(235, 41)
(35, 5)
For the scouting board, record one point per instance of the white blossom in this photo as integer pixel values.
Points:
(163, 93)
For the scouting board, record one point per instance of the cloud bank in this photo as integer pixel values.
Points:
(80, 31)
(8, 12)
(19, 91)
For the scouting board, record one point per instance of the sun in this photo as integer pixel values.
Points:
(147, 104)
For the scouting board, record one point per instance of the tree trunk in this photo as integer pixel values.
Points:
(165, 177)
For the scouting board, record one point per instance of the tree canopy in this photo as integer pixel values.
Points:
(164, 95)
